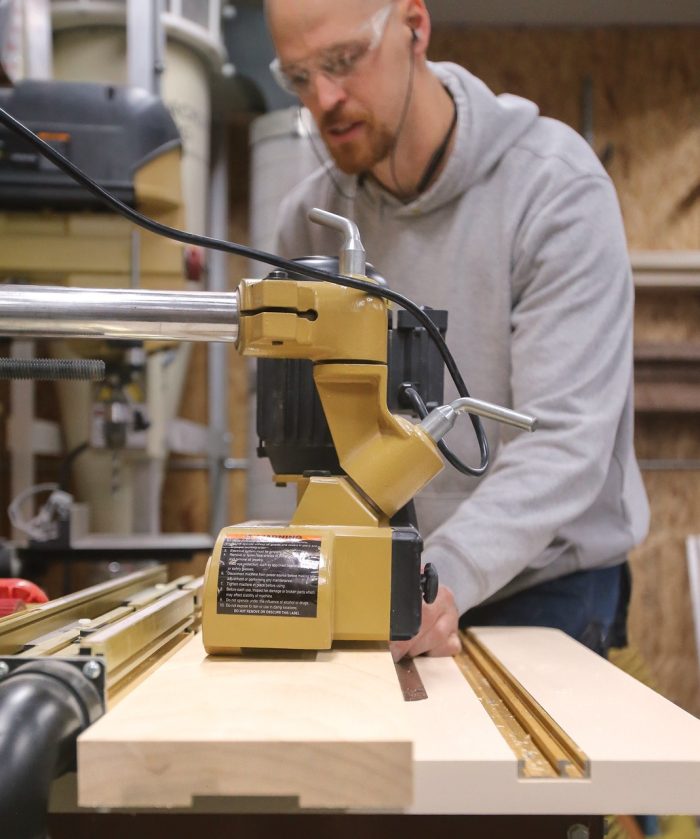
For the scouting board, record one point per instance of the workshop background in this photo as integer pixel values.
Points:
(628, 80)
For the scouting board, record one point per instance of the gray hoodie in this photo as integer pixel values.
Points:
(521, 239)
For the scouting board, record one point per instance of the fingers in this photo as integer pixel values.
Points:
(434, 638)
(438, 635)
(399, 649)
(429, 615)
(452, 646)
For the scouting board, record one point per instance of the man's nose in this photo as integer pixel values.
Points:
(329, 92)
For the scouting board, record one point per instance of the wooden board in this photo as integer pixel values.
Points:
(320, 727)
(644, 751)
(332, 730)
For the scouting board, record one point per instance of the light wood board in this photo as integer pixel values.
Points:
(644, 751)
(332, 730)
(320, 727)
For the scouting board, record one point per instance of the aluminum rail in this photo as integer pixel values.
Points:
(117, 314)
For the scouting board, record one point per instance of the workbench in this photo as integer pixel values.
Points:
(330, 731)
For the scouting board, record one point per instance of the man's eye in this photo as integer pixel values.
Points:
(298, 79)
(343, 61)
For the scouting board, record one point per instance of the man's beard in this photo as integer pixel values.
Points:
(374, 145)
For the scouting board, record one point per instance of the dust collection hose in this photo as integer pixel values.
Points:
(44, 706)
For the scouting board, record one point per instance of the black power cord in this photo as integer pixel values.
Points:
(415, 401)
(137, 218)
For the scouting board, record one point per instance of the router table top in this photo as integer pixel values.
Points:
(331, 730)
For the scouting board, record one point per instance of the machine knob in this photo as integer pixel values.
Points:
(429, 582)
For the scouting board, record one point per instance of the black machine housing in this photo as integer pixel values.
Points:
(291, 426)
(106, 130)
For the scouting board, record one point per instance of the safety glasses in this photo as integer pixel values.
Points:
(337, 62)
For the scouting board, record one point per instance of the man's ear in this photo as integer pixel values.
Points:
(418, 21)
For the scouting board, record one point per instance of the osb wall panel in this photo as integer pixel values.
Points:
(663, 317)
(668, 436)
(646, 105)
(661, 618)
(645, 88)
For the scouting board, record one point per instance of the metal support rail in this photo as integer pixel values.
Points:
(118, 314)
(543, 748)
(122, 624)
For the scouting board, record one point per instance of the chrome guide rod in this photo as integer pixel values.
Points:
(118, 314)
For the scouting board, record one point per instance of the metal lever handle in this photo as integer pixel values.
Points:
(352, 254)
(494, 412)
(440, 420)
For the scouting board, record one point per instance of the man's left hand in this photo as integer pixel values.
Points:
(439, 630)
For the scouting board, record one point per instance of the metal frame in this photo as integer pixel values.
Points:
(69, 13)
(218, 353)
(38, 41)
(19, 432)
(692, 546)
(145, 44)
(118, 624)
(38, 64)
(91, 668)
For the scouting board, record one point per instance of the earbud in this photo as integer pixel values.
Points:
(414, 36)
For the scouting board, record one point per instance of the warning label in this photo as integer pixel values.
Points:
(269, 575)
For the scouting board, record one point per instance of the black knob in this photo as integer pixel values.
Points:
(429, 582)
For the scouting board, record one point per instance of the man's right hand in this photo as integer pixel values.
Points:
(439, 630)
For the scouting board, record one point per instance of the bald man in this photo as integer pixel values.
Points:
(474, 203)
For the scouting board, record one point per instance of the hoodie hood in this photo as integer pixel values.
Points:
(487, 127)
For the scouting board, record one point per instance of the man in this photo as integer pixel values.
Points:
(476, 204)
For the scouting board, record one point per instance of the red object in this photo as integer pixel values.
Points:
(195, 263)
(15, 593)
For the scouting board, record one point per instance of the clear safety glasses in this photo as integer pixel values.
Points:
(337, 62)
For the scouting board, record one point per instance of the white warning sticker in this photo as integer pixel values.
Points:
(268, 574)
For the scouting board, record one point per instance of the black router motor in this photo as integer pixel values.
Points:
(291, 426)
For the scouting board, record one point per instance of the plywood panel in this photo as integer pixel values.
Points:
(645, 106)
(668, 436)
(661, 621)
(661, 618)
(661, 624)
(666, 317)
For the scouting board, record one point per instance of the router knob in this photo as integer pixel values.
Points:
(429, 583)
